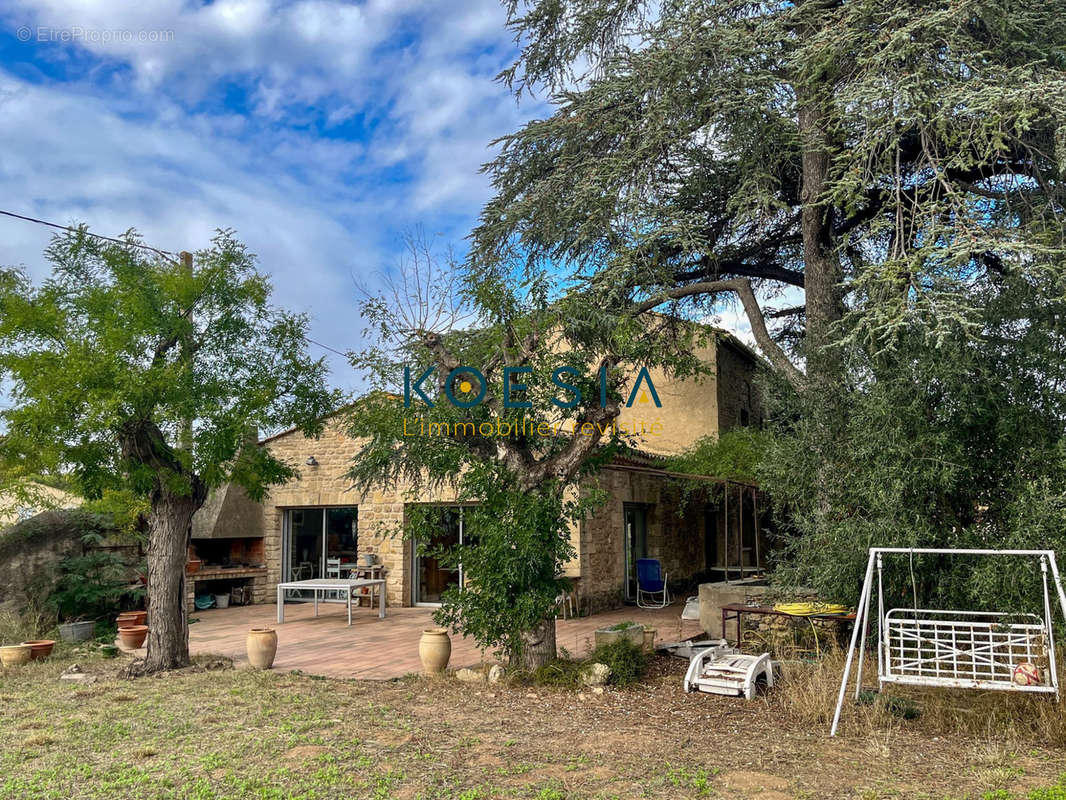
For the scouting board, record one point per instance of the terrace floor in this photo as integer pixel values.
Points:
(379, 649)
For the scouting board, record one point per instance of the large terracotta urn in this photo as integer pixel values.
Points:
(262, 644)
(435, 648)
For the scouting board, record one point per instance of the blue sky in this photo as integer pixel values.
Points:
(320, 131)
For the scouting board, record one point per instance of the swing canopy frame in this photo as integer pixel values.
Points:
(954, 648)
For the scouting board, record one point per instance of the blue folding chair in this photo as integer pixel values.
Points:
(651, 584)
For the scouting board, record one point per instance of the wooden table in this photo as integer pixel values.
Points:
(346, 585)
(736, 611)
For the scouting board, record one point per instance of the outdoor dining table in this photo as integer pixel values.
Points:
(346, 585)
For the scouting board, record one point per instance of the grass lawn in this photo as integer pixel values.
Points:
(238, 734)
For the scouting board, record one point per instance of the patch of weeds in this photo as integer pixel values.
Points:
(521, 768)
(40, 740)
(549, 793)
(384, 784)
(624, 625)
(561, 673)
(626, 660)
(697, 781)
(578, 762)
(901, 707)
(1055, 792)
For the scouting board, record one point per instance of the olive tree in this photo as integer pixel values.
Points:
(511, 398)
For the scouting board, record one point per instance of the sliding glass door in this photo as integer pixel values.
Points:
(318, 542)
(305, 544)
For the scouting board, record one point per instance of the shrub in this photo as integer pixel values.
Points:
(626, 659)
(562, 672)
(91, 585)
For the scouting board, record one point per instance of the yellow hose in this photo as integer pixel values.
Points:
(810, 609)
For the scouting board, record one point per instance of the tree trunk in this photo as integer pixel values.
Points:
(538, 646)
(821, 264)
(169, 524)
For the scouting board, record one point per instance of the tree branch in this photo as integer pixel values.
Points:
(742, 288)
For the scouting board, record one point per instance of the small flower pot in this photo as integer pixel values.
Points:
(262, 646)
(77, 631)
(434, 650)
(193, 565)
(221, 601)
(15, 655)
(133, 636)
(127, 618)
(108, 650)
(40, 648)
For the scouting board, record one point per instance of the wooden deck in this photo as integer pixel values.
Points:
(379, 649)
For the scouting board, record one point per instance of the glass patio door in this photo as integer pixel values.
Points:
(342, 535)
(636, 544)
(430, 577)
(318, 543)
(305, 544)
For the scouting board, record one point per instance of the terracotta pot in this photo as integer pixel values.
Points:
(262, 645)
(132, 636)
(127, 618)
(193, 565)
(14, 655)
(434, 648)
(40, 648)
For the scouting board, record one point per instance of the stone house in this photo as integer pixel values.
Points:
(696, 527)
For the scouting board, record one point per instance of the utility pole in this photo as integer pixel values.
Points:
(185, 439)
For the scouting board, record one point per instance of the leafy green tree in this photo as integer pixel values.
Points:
(720, 148)
(503, 453)
(140, 373)
(955, 436)
(895, 166)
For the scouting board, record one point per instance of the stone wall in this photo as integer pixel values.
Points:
(675, 538)
(737, 396)
(31, 552)
(675, 534)
(381, 513)
(691, 409)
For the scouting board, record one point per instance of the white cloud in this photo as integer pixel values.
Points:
(142, 138)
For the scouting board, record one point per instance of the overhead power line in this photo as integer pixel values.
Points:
(165, 253)
(326, 347)
(72, 229)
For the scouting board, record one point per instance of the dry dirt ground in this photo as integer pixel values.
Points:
(209, 734)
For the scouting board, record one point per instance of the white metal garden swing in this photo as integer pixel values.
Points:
(956, 649)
